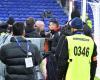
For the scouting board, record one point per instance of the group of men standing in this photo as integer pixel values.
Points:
(74, 53)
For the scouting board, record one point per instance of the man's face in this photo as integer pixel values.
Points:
(52, 26)
(40, 25)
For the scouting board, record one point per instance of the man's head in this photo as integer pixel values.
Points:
(53, 25)
(40, 25)
(18, 29)
(76, 24)
(30, 22)
(10, 21)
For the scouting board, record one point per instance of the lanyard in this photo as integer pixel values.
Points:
(21, 47)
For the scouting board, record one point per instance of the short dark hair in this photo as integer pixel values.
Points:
(30, 22)
(11, 20)
(18, 28)
(55, 22)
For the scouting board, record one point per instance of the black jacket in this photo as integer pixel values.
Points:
(51, 60)
(55, 39)
(14, 58)
(32, 33)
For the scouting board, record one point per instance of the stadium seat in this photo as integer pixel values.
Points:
(22, 9)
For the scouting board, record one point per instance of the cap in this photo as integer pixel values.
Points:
(76, 23)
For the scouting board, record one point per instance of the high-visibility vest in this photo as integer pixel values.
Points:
(89, 23)
(80, 49)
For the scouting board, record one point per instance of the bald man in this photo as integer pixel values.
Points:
(39, 25)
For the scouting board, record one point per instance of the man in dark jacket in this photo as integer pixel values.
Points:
(30, 30)
(55, 31)
(20, 56)
(51, 60)
(66, 50)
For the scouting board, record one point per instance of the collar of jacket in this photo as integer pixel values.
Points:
(30, 30)
(19, 38)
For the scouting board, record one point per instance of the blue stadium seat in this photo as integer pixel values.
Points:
(22, 9)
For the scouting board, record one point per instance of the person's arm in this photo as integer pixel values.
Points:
(62, 60)
(43, 67)
(93, 63)
(55, 42)
(59, 46)
(2, 55)
(36, 54)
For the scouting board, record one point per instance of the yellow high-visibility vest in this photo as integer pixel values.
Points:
(80, 49)
(89, 23)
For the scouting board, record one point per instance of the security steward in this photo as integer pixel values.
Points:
(77, 58)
